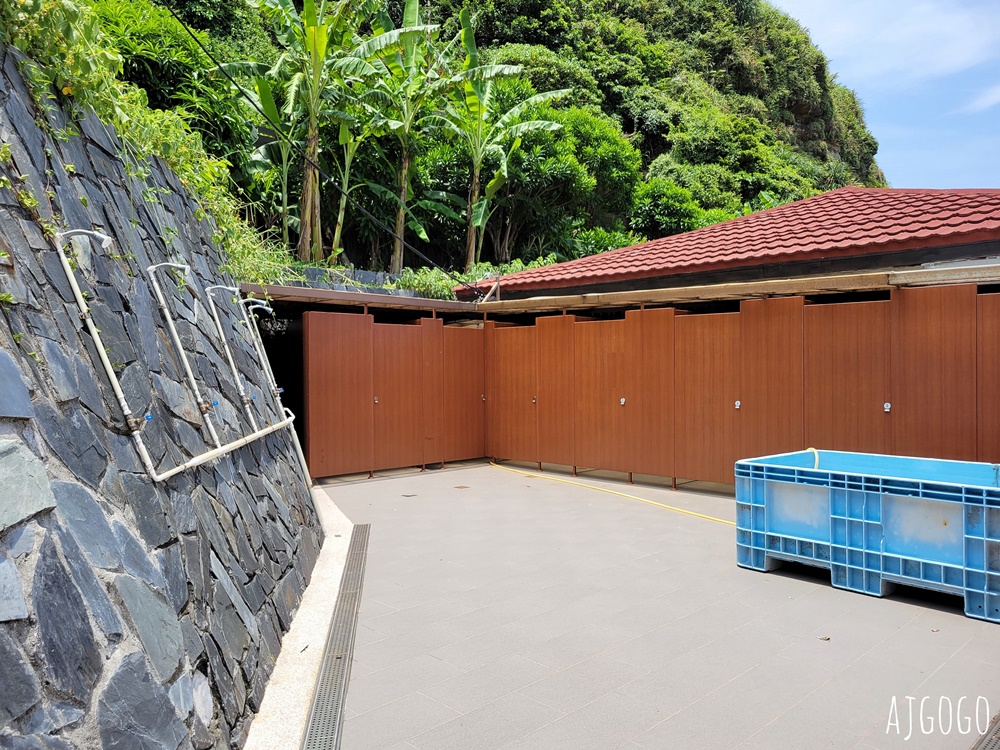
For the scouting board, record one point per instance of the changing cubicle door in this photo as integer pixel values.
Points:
(706, 396)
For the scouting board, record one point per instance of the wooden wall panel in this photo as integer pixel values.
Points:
(514, 424)
(933, 372)
(706, 387)
(805, 375)
(771, 385)
(432, 401)
(600, 424)
(398, 376)
(847, 377)
(556, 402)
(650, 408)
(464, 407)
(337, 351)
(489, 345)
(988, 377)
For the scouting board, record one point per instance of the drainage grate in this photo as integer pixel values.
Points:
(326, 715)
(990, 740)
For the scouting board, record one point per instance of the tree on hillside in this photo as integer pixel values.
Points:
(472, 117)
(316, 68)
(283, 143)
(408, 79)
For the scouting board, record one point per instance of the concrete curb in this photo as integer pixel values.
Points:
(281, 721)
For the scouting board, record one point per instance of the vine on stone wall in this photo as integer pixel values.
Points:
(68, 61)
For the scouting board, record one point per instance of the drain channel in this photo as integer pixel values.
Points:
(990, 740)
(326, 715)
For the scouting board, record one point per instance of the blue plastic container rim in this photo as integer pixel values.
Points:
(880, 466)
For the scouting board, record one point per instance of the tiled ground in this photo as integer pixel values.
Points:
(502, 611)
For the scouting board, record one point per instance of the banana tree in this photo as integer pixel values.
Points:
(378, 57)
(283, 143)
(324, 60)
(317, 68)
(409, 77)
(472, 116)
(352, 135)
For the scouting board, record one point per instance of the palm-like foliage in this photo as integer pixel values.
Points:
(472, 116)
(316, 69)
(409, 78)
(322, 68)
(283, 144)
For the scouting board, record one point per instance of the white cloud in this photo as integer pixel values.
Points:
(986, 100)
(899, 42)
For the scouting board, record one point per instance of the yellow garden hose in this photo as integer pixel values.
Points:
(613, 492)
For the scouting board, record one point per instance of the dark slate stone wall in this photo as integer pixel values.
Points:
(132, 614)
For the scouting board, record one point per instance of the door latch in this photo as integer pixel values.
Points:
(737, 404)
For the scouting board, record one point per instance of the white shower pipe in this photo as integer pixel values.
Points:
(229, 448)
(229, 354)
(134, 424)
(258, 342)
(203, 405)
(298, 448)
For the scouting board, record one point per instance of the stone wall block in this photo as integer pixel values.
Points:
(55, 275)
(144, 498)
(67, 646)
(104, 613)
(224, 682)
(221, 575)
(73, 437)
(89, 390)
(88, 524)
(182, 511)
(131, 712)
(51, 717)
(26, 488)
(172, 566)
(19, 690)
(20, 541)
(12, 603)
(156, 624)
(135, 560)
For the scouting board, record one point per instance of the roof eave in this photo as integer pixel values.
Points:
(976, 245)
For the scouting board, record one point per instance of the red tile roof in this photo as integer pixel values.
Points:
(842, 223)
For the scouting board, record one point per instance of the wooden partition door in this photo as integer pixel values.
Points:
(513, 414)
(398, 377)
(706, 388)
(556, 386)
(650, 409)
(988, 377)
(771, 418)
(463, 408)
(490, 358)
(432, 390)
(933, 371)
(338, 393)
(847, 377)
(602, 391)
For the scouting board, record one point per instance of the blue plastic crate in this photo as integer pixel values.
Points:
(875, 520)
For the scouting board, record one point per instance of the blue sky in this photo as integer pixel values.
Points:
(928, 75)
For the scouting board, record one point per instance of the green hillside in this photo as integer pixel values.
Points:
(668, 116)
